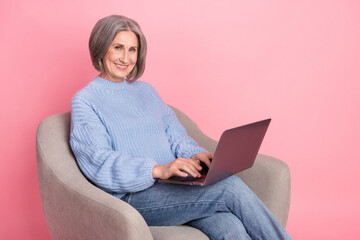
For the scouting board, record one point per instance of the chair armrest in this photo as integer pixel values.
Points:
(73, 207)
(269, 179)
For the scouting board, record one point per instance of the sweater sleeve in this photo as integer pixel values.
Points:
(182, 145)
(110, 170)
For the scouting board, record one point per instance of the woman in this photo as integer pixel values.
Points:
(125, 137)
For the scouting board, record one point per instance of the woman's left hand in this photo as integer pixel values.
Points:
(203, 157)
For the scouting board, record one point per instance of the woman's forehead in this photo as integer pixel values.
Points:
(127, 38)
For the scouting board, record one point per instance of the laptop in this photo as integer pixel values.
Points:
(235, 152)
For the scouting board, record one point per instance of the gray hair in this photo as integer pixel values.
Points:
(104, 32)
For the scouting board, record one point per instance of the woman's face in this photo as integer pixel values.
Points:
(121, 57)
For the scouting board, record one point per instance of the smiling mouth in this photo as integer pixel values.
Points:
(121, 67)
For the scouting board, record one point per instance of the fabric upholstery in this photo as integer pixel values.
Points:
(76, 209)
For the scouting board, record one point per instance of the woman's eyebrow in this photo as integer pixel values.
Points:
(120, 44)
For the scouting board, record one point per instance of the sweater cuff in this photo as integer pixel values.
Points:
(148, 174)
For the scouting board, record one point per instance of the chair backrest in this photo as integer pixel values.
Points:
(73, 207)
(53, 149)
(52, 139)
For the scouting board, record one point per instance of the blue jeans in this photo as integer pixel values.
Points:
(227, 209)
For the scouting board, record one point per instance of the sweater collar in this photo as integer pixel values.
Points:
(100, 82)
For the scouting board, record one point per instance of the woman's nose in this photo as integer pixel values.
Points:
(124, 57)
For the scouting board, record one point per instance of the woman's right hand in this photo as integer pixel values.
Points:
(177, 167)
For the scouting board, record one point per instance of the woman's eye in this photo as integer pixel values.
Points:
(132, 50)
(117, 47)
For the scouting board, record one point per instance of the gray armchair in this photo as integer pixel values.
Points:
(76, 209)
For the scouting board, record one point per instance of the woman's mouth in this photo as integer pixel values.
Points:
(121, 67)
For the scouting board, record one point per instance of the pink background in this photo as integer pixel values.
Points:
(224, 63)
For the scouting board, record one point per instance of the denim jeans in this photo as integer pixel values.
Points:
(227, 209)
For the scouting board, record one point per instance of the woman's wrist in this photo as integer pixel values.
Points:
(156, 171)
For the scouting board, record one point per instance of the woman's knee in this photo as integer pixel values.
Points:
(236, 191)
(233, 184)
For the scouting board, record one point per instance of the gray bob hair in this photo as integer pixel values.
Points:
(104, 32)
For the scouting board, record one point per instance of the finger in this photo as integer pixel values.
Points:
(207, 162)
(195, 170)
(210, 155)
(181, 173)
(194, 163)
(192, 171)
(189, 165)
(205, 159)
(198, 165)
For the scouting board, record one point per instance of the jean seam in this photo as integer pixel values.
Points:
(180, 205)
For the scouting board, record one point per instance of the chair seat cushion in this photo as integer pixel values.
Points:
(177, 233)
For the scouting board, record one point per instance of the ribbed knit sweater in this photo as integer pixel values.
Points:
(120, 131)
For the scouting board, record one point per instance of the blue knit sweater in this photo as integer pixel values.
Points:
(120, 131)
